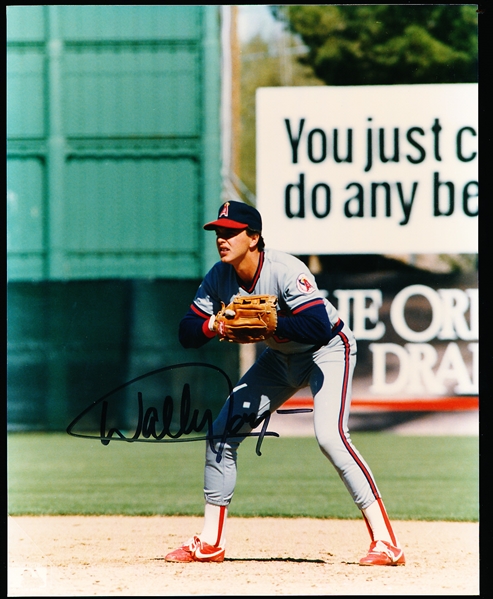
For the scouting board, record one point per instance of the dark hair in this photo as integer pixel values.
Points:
(261, 242)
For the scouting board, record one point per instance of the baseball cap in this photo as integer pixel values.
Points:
(236, 215)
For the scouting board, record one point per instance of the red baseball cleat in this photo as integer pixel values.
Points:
(382, 553)
(195, 550)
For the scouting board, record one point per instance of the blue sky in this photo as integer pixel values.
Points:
(256, 19)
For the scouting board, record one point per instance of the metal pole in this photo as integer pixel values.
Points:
(56, 400)
(55, 148)
(211, 149)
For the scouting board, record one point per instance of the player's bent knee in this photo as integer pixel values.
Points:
(334, 450)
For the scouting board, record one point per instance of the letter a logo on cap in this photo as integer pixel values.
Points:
(224, 210)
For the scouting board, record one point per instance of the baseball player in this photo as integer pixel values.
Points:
(310, 346)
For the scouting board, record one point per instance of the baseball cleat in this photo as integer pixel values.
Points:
(382, 553)
(195, 550)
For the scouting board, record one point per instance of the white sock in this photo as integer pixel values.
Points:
(214, 531)
(379, 524)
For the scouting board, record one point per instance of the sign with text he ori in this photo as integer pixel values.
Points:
(368, 169)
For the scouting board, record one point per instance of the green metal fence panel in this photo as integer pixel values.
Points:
(71, 342)
(131, 91)
(139, 22)
(155, 229)
(25, 97)
(26, 215)
(25, 24)
(25, 209)
(113, 164)
(118, 108)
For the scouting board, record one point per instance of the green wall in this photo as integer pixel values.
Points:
(70, 343)
(113, 164)
(113, 140)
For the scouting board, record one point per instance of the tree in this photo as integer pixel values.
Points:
(265, 64)
(386, 44)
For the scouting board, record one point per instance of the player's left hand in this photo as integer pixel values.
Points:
(247, 319)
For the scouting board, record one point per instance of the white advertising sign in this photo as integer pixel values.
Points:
(368, 169)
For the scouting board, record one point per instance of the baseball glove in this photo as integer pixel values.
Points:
(246, 319)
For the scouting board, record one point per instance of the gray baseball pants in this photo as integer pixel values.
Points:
(274, 378)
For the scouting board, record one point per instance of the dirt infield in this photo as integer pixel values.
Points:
(122, 555)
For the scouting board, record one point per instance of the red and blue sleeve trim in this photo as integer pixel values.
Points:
(309, 324)
(193, 329)
(207, 332)
(199, 312)
(205, 325)
(309, 304)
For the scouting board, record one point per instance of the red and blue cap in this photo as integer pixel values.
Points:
(236, 215)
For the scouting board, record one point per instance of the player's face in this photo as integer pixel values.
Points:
(233, 244)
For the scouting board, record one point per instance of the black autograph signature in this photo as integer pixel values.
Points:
(155, 427)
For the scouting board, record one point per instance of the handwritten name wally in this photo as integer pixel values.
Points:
(143, 410)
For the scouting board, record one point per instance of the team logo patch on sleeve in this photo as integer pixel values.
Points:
(304, 284)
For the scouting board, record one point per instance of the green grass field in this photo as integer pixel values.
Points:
(422, 478)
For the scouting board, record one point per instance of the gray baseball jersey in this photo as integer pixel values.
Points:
(278, 274)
